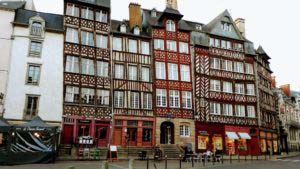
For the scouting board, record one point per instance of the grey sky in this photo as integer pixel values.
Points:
(274, 24)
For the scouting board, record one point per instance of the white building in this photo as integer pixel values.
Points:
(35, 82)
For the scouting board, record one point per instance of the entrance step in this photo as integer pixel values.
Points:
(172, 151)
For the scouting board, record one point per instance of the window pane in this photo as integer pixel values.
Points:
(119, 71)
(101, 16)
(87, 67)
(173, 71)
(102, 68)
(159, 44)
(87, 95)
(160, 70)
(174, 99)
(134, 100)
(72, 35)
(119, 99)
(35, 48)
(72, 64)
(132, 72)
(102, 41)
(171, 46)
(183, 47)
(147, 101)
(161, 97)
(117, 44)
(87, 38)
(33, 74)
(145, 74)
(185, 74)
(72, 10)
(170, 26)
(87, 13)
(145, 48)
(103, 97)
(132, 46)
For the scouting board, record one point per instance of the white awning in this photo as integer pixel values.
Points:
(232, 135)
(245, 136)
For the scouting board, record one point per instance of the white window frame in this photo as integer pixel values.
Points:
(87, 66)
(159, 44)
(215, 85)
(240, 88)
(227, 109)
(240, 111)
(184, 131)
(119, 71)
(145, 48)
(184, 47)
(72, 35)
(239, 67)
(171, 45)
(123, 28)
(119, 99)
(215, 108)
(185, 73)
(187, 100)
(89, 94)
(251, 111)
(161, 98)
(174, 97)
(103, 97)
(215, 63)
(171, 26)
(250, 89)
(102, 41)
(71, 92)
(249, 68)
(147, 101)
(117, 44)
(72, 10)
(132, 46)
(227, 65)
(87, 38)
(145, 74)
(72, 64)
(102, 68)
(87, 13)
(160, 70)
(102, 16)
(134, 100)
(172, 71)
(132, 72)
(227, 87)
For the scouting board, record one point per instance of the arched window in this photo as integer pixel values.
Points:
(170, 26)
(136, 30)
(123, 28)
(36, 29)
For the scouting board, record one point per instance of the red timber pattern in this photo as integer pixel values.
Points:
(178, 58)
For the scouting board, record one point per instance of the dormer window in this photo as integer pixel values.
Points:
(36, 29)
(123, 28)
(226, 26)
(170, 26)
(136, 30)
(153, 13)
(199, 27)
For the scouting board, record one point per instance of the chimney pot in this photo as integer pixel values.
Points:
(135, 15)
(240, 23)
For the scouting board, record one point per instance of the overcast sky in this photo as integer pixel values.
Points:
(274, 24)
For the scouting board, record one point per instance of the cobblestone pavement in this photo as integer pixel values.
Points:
(289, 163)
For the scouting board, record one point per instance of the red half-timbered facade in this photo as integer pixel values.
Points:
(225, 93)
(87, 83)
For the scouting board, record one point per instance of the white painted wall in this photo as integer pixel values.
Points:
(6, 17)
(50, 87)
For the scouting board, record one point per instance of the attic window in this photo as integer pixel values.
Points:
(170, 26)
(199, 27)
(123, 28)
(226, 26)
(153, 13)
(136, 30)
(36, 29)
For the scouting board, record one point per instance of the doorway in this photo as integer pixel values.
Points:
(167, 133)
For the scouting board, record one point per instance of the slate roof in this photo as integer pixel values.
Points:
(36, 122)
(261, 51)
(115, 28)
(104, 3)
(12, 5)
(53, 22)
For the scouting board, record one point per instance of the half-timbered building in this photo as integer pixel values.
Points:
(267, 112)
(225, 93)
(87, 83)
(173, 89)
(134, 120)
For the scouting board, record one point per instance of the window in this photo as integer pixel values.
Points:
(102, 68)
(147, 101)
(132, 46)
(31, 109)
(170, 26)
(72, 94)
(119, 71)
(72, 64)
(147, 134)
(132, 72)
(239, 88)
(186, 100)
(239, 67)
(227, 110)
(72, 10)
(145, 49)
(223, 44)
(240, 111)
(36, 29)
(173, 71)
(227, 87)
(251, 111)
(171, 46)
(226, 26)
(215, 108)
(229, 45)
(239, 47)
(183, 47)
(211, 42)
(87, 13)
(87, 67)
(227, 65)
(217, 43)
(117, 44)
(103, 97)
(215, 85)
(215, 63)
(185, 74)
(174, 99)
(33, 75)
(87, 95)
(251, 89)
(123, 28)
(160, 69)
(184, 131)
(145, 74)
(72, 35)
(35, 49)
(119, 99)
(249, 69)
(161, 97)
(101, 16)
(134, 100)
(87, 38)
(153, 13)
(136, 30)
(101, 41)
(159, 44)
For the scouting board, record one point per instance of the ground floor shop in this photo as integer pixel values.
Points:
(235, 140)
(175, 131)
(269, 142)
(133, 131)
(85, 132)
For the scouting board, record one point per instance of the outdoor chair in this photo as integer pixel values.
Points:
(86, 153)
(92, 153)
(198, 158)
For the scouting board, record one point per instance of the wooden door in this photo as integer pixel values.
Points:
(118, 137)
(67, 134)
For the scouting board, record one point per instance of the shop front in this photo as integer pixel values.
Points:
(133, 131)
(268, 142)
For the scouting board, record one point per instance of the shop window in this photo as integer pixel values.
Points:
(101, 133)
(203, 142)
(132, 123)
(147, 135)
(243, 144)
(230, 146)
(118, 123)
(217, 143)
(84, 131)
(147, 123)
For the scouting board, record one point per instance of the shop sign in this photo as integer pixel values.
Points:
(203, 133)
(85, 121)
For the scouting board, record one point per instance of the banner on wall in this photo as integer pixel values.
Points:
(202, 142)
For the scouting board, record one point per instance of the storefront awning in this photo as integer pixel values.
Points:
(245, 136)
(232, 135)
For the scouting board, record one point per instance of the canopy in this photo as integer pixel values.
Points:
(232, 135)
(245, 136)
(4, 126)
(36, 124)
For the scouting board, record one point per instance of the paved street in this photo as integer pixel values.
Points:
(289, 163)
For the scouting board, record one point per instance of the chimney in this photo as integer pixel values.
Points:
(172, 4)
(274, 81)
(135, 15)
(286, 90)
(240, 23)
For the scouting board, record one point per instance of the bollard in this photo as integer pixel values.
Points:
(130, 165)
(265, 156)
(192, 161)
(71, 167)
(180, 161)
(204, 161)
(239, 158)
(257, 157)
(147, 162)
(213, 159)
(104, 165)
(166, 162)
(251, 157)
(230, 158)
(245, 158)
(222, 159)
